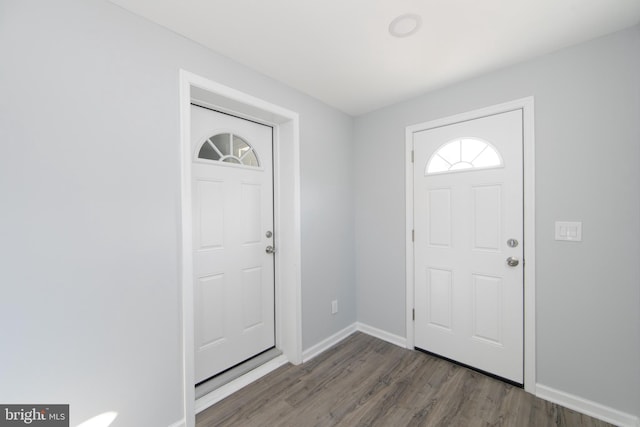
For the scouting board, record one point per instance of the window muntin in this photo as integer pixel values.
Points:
(463, 154)
(229, 148)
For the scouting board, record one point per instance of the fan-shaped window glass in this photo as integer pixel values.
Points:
(229, 148)
(462, 154)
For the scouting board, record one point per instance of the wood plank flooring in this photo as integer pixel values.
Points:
(364, 381)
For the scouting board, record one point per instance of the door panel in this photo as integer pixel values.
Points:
(439, 206)
(487, 307)
(232, 211)
(210, 216)
(467, 204)
(210, 299)
(486, 217)
(439, 283)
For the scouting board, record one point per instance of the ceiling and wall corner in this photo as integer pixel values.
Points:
(341, 53)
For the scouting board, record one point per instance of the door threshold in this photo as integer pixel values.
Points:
(232, 383)
(225, 377)
(473, 368)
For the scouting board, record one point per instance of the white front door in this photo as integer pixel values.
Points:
(232, 188)
(468, 221)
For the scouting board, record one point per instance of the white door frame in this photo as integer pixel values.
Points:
(526, 104)
(286, 181)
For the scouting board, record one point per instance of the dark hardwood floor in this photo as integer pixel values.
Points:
(364, 381)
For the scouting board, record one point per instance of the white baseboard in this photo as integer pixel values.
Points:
(334, 339)
(383, 335)
(327, 343)
(228, 389)
(179, 423)
(587, 407)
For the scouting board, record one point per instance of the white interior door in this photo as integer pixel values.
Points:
(232, 188)
(468, 221)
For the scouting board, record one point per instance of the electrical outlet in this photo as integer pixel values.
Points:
(334, 306)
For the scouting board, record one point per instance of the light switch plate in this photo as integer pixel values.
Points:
(569, 230)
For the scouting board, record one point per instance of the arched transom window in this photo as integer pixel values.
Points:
(229, 148)
(463, 154)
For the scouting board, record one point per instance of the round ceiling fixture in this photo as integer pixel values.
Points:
(405, 25)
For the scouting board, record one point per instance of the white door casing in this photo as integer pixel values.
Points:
(232, 212)
(286, 141)
(468, 299)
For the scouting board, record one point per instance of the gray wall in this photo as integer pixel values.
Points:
(587, 124)
(89, 223)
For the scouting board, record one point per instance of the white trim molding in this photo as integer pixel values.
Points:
(327, 343)
(526, 105)
(587, 407)
(180, 423)
(334, 339)
(383, 335)
(288, 279)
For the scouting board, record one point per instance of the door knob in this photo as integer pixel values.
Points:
(512, 261)
(270, 250)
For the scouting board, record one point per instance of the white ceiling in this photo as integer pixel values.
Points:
(340, 51)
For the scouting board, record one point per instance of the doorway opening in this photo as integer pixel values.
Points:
(440, 152)
(286, 208)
